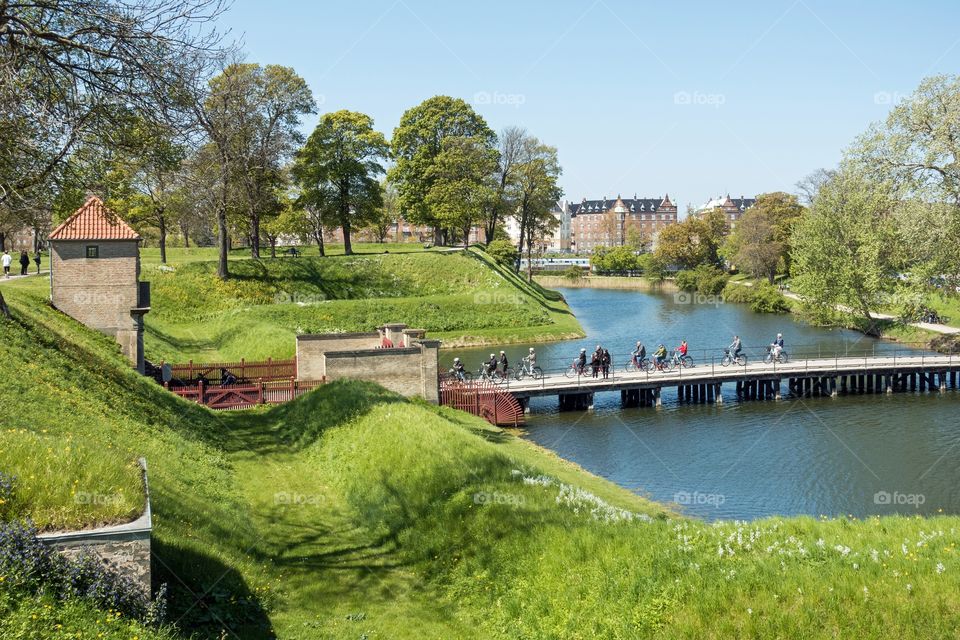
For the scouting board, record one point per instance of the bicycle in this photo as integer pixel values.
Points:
(677, 360)
(496, 377)
(644, 364)
(575, 370)
(525, 369)
(780, 358)
(728, 359)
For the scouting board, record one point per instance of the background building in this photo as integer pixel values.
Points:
(733, 208)
(611, 223)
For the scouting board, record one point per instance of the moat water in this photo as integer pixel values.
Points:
(850, 455)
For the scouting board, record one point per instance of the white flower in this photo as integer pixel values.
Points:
(909, 587)
(940, 567)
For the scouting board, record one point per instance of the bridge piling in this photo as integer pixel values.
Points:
(576, 401)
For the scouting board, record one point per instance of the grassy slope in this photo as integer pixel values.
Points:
(354, 512)
(460, 297)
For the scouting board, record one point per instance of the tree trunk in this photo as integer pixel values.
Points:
(3, 240)
(223, 241)
(186, 234)
(255, 236)
(347, 247)
(162, 228)
(318, 236)
(273, 246)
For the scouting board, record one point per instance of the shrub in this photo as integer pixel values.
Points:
(705, 279)
(767, 299)
(573, 274)
(30, 566)
(687, 280)
(738, 293)
(503, 252)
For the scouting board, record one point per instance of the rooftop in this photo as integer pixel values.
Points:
(93, 221)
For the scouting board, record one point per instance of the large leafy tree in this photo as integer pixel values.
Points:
(417, 143)
(845, 254)
(338, 171)
(536, 191)
(760, 243)
(501, 204)
(694, 241)
(462, 183)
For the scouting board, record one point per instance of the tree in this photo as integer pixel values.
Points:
(760, 243)
(694, 241)
(338, 171)
(148, 173)
(501, 205)
(387, 215)
(844, 254)
(461, 183)
(503, 252)
(418, 141)
(535, 193)
(251, 116)
(809, 186)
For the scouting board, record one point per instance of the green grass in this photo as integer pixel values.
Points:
(354, 513)
(460, 297)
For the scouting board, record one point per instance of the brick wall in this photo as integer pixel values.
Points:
(310, 350)
(398, 370)
(99, 292)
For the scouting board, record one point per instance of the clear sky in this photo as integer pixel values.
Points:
(690, 98)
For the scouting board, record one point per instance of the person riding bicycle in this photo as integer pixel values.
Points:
(639, 353)
(660, 355)
(681, 351)
(531, 358)
(459, 370)
(491, 365)
(582, 361)
(503, 362)
(777, 346)
(735, 347)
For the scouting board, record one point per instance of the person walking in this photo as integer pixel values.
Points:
(595, 362)
(36, 259)
(24, 262)
(605, 363)
(5, 260)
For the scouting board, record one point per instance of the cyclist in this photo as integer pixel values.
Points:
(491, 365)
(532, 357)
(777, 346)
(503, 362)
(735, 347)
(660, 355)
(639, 354)
(682, 349)
(458, 369)
(582, 361)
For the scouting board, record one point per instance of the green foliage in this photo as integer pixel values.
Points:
(616, 260)
(461, 182)
(573, 273)
(845, 248)
(338, 171)
(417, 143)
(504, 252)
(692, 242)
(760, 243)
(705, 279)
(767, 299)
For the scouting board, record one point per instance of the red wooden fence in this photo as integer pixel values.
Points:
(483, 399)
(245, 395)
(244, 371)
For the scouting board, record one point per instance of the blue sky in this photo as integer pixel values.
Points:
(691, 98)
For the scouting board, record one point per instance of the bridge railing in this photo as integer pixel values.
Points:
(711, 360)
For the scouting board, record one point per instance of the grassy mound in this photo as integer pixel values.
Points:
(462, 297)
(352, 512)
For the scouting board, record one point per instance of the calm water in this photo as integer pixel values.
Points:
(858, 455)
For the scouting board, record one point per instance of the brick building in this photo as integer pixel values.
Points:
(95, 276)
(732, 208)
(611, 223)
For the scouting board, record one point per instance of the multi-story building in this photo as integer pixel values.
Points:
(732, 208)
(611, 223)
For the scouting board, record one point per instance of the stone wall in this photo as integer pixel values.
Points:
(410, 371)
(99, 292)
(310, 350)
(124, 548)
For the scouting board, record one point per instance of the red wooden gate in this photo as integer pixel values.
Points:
(483, 399)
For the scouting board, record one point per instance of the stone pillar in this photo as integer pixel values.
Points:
(656, 397)
(394, 333)
(430, 370)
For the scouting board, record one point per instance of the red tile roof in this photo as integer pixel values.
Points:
(93, 221)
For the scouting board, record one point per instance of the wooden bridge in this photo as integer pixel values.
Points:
(755, 381)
